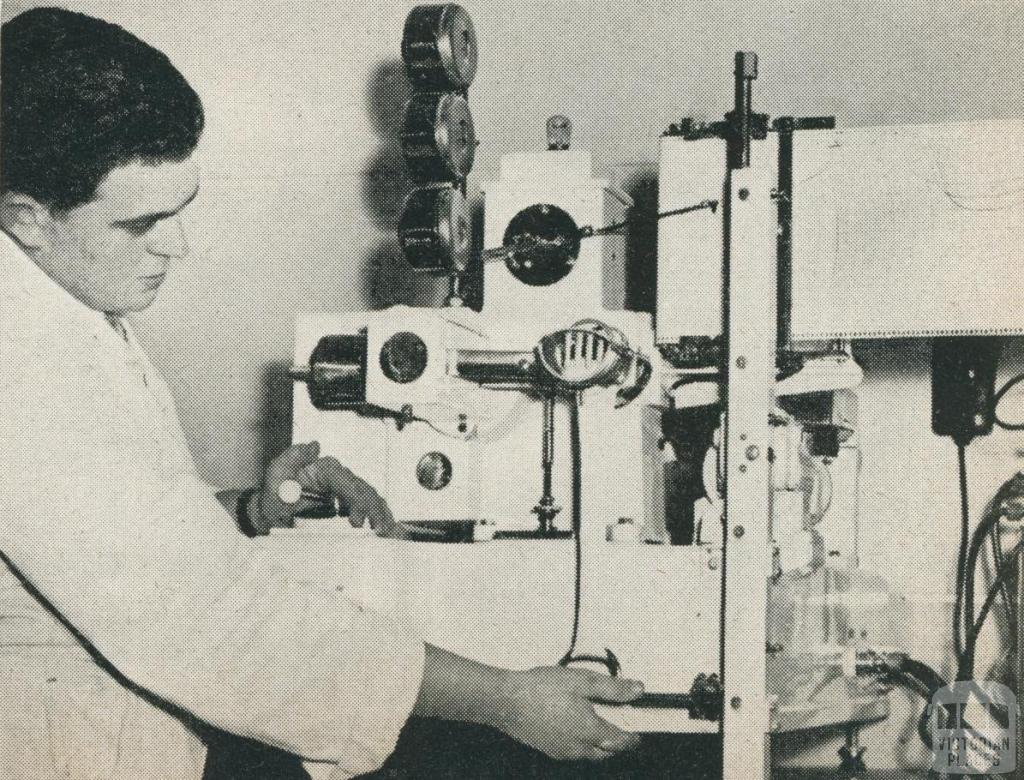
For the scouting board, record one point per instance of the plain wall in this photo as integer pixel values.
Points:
(303, 181)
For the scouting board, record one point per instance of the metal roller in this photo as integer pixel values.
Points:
(439, 47)
(434, 230)
(336, 372)
(438, 139)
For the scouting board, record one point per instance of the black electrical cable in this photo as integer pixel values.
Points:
(577, 518)
(966, 667)
(977, 543)
(999, 397)
(996, 537)
(920, 679)
(962, 555)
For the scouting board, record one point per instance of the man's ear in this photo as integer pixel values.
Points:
(26, 220)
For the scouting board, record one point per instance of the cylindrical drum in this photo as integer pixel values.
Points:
(336, 374)
(434, 230)
(439, 47)
(438, 139)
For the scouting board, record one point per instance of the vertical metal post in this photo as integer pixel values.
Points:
(743, 90)
(1019, 682)
(751, 334)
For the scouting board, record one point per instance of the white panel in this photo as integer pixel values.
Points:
(689, 246)
(562, 179)
(908, 231)
(510, 603)
(690, 259)
(912, 230)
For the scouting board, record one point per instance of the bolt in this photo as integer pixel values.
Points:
(743, 469)
(736, 702)
(741, 362)
(744, 193)
(753, 452)
(738, 531)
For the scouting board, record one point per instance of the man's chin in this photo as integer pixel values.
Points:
(140, 301)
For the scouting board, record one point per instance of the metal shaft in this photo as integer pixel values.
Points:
(1019, 682)
(546, 510)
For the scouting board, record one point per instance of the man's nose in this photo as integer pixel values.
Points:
(168, 239)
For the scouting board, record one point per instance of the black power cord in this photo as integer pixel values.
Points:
(961, 561)
(968, 620)
(577, 520)
(922, 680)
(1003, 576)
(608, 661)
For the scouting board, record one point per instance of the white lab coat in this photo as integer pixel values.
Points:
(102, 510)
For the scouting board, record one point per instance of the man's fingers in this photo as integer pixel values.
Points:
(288, 463)
(614, 690)
(609, 737)
(586, 753)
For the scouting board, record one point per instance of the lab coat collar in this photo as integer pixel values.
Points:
(20, 274)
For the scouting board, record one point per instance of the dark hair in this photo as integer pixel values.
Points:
(81, 97)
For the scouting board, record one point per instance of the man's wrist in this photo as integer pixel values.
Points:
(249, 513)
(456, 688)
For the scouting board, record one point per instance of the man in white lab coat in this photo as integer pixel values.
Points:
(132, 611)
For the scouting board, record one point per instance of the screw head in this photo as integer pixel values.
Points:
(753, 452)
(735, 702)
(744, 193)
(739, 531)
(741, 362)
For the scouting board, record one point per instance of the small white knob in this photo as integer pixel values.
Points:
(289, 491)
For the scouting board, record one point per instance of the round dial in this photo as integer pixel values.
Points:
(544, 243)
(403, 358)
(434, 471)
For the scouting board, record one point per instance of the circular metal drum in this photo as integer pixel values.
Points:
(439, 47)
(336, 373)
(543, 243)
(434, 230)
(438, 139)
(403, 358)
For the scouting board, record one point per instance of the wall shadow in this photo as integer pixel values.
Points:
(641, 184)
(276, 411)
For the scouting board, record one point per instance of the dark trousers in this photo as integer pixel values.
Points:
(235, 758)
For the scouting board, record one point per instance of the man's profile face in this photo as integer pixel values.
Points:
(113, 252)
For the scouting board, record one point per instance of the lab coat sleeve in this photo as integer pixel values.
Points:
(153, 572)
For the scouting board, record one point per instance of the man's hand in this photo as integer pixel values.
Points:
(552, 709)
(302, 463)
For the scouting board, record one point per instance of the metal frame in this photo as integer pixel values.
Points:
(751, 335)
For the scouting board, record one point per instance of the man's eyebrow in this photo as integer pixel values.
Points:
(158, 215)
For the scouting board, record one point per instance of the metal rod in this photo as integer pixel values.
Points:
(1019, 682)
(492, 365)
(545, 509)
